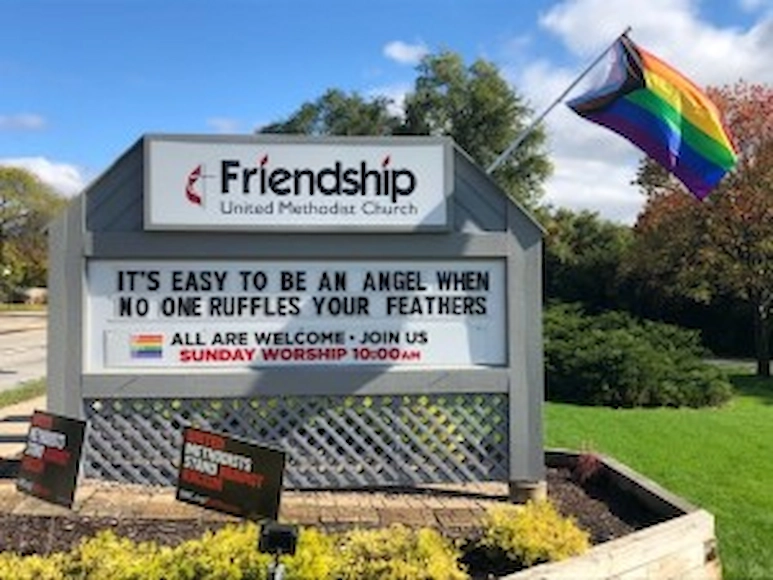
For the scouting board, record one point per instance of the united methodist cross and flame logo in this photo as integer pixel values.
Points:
(191, 193)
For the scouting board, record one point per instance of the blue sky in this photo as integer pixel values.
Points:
(80, 80)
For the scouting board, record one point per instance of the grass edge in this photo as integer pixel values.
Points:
(23, 392)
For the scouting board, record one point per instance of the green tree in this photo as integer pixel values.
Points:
(723, 246)
(583, 259)
(477, 108)
(338, 113)
(474, 105)
(26, 207)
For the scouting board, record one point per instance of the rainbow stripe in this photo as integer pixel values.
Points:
(146, 345)
(664, 114)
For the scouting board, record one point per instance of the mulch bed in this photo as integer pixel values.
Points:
(602, 512)
(605, 515)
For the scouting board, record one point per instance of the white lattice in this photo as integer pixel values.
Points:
(331, 441)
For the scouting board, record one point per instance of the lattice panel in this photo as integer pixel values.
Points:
(330, 441)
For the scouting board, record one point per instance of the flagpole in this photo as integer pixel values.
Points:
(526, 132)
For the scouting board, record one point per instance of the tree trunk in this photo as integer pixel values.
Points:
(762, 339)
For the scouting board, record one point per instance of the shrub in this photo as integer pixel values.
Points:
(231, 554)
(228, 554)
(31, 567)
(533, 533)
(613, 359)
(587, 467)
(316, 557)
(109, 557)
(398, 553)
(527, 534)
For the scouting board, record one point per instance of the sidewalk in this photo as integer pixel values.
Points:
(455, 510)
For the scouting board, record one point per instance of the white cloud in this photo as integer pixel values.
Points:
(63, 177)
(594, 166)
(22, 122)
(405, 53)
(671, 29)
(598, 186)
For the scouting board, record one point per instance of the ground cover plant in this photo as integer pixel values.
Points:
(717, 458)
(518, 536)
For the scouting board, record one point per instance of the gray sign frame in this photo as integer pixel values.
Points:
(106, 222)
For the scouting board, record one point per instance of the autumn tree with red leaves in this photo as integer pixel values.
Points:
(723, 245)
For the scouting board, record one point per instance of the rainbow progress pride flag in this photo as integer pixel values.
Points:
(664, 114)
(146, 345)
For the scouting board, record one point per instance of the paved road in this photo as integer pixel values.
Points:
(22, 349)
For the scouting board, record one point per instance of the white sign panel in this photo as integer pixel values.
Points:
(154, 315)
(266, 185)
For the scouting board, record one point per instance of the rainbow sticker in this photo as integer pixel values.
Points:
(147, 345)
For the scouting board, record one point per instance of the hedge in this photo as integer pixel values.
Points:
(615, 360)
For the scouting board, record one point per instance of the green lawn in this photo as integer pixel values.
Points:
(719, 459)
